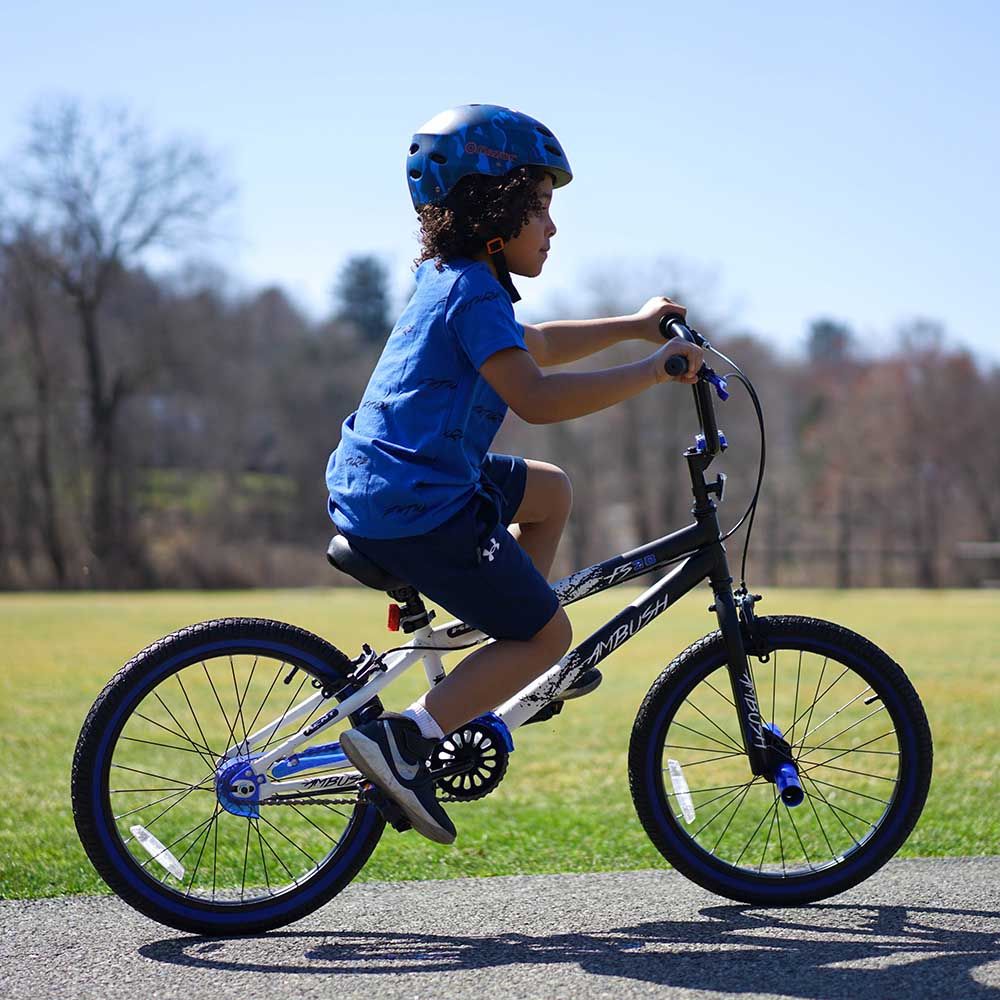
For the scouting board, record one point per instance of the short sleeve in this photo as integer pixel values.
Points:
(481, 316)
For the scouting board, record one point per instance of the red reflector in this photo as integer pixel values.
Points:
(393, 622)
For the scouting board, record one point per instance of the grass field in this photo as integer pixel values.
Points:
(564, 805)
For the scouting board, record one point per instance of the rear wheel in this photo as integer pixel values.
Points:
(150, 780)
(858, 737)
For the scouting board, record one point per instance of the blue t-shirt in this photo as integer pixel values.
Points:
(410, 456)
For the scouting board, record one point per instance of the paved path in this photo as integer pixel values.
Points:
(924, 928)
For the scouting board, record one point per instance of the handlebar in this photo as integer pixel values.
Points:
(673, 326)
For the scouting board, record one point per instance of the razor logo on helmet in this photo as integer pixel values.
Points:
(497, 154)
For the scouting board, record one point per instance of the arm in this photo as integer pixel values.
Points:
(546, 399)
(559, 341)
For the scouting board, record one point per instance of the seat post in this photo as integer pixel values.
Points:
(413, 614)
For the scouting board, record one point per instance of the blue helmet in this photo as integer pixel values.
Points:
(478, 139)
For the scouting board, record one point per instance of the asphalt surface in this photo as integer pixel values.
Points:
(921, 928)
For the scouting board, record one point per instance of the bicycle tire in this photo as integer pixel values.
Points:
(141, 680)
(802, 878)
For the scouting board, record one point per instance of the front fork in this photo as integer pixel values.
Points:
(752, 726)
(768, 752)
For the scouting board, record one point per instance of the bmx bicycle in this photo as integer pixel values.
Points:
(776, 761)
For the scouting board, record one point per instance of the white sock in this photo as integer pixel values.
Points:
(429, 728)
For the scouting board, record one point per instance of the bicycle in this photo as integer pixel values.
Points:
(240, 823)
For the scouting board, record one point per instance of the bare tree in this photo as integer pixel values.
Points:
(91, 199)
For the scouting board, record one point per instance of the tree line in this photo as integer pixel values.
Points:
(158, 430)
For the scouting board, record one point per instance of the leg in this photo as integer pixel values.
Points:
(542, 515)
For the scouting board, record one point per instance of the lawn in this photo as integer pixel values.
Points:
(564, 805)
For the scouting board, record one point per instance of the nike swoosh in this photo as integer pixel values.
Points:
(406, 771)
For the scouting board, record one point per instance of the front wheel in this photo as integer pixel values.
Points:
(856, 732)
(151, 783)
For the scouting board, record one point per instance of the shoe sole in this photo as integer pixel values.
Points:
(570, 693)
(366, 756)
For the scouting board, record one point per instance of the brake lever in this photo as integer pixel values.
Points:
(719, 381)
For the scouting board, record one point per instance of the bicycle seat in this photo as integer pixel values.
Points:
(353, 563)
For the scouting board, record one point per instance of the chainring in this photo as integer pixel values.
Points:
(479, 747)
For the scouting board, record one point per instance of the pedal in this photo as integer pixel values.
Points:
(391, 813)
(545, 712)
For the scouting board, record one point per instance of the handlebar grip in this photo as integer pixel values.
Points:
(676, 365)
(673, 326)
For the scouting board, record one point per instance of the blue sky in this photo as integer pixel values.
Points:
(839, 161)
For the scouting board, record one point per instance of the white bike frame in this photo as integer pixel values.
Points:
(705, 558)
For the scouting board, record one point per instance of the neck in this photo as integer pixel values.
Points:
(487, 260)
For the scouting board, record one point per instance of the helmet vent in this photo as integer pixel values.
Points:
(438, 158)
(416, 174)
(544, 131)
(414, 148)
(555, 150)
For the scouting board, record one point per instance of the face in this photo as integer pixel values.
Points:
(526, 253)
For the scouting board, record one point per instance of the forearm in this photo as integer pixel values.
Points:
(570, 339)
(565, 395)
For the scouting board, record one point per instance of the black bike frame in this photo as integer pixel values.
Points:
(702, 555)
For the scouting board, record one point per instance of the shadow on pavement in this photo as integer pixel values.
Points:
(856, 951)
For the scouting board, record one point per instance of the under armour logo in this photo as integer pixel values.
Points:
(494, 545)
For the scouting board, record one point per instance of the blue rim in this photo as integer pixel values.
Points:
(356, 833)
(697, 858)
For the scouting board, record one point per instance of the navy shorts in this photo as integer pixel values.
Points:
(471, 565)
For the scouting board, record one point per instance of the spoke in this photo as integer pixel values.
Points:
(767, 839)
(166, 746)
(851, 791)
(207, 760)
(774, 684)
(239, 700)
(163, 777)
(739, 805)
(318, 827)
(816, 697)
(173, 732)
(795, 707)
(713, 788)
(795, 827)
(822, 829)
(176, 840)
(840, 751)
(225, 718)
(194, 715)
(732, 798)
(727, 700)
(847, 770)
(280, 722)
(290, 841)
(837, 810)
(277, 857)
(267, 694)
(709, 760)
(215, 855)
(201, 853)
(847, 729)
(843, 708)
(756, 829)
(169, 788)
(781, 845)
(246, 853)
(156, 802)
(732, 743)
(705, 736)
(263, 860)
(176, 802)
(715, 798)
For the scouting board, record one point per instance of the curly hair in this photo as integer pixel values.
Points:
(478, 208)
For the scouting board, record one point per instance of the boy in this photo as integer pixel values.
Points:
(413, 485)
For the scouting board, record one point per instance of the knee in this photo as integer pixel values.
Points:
(554, 638)
(561, 493)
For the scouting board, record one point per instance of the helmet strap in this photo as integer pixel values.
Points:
(494, 248)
